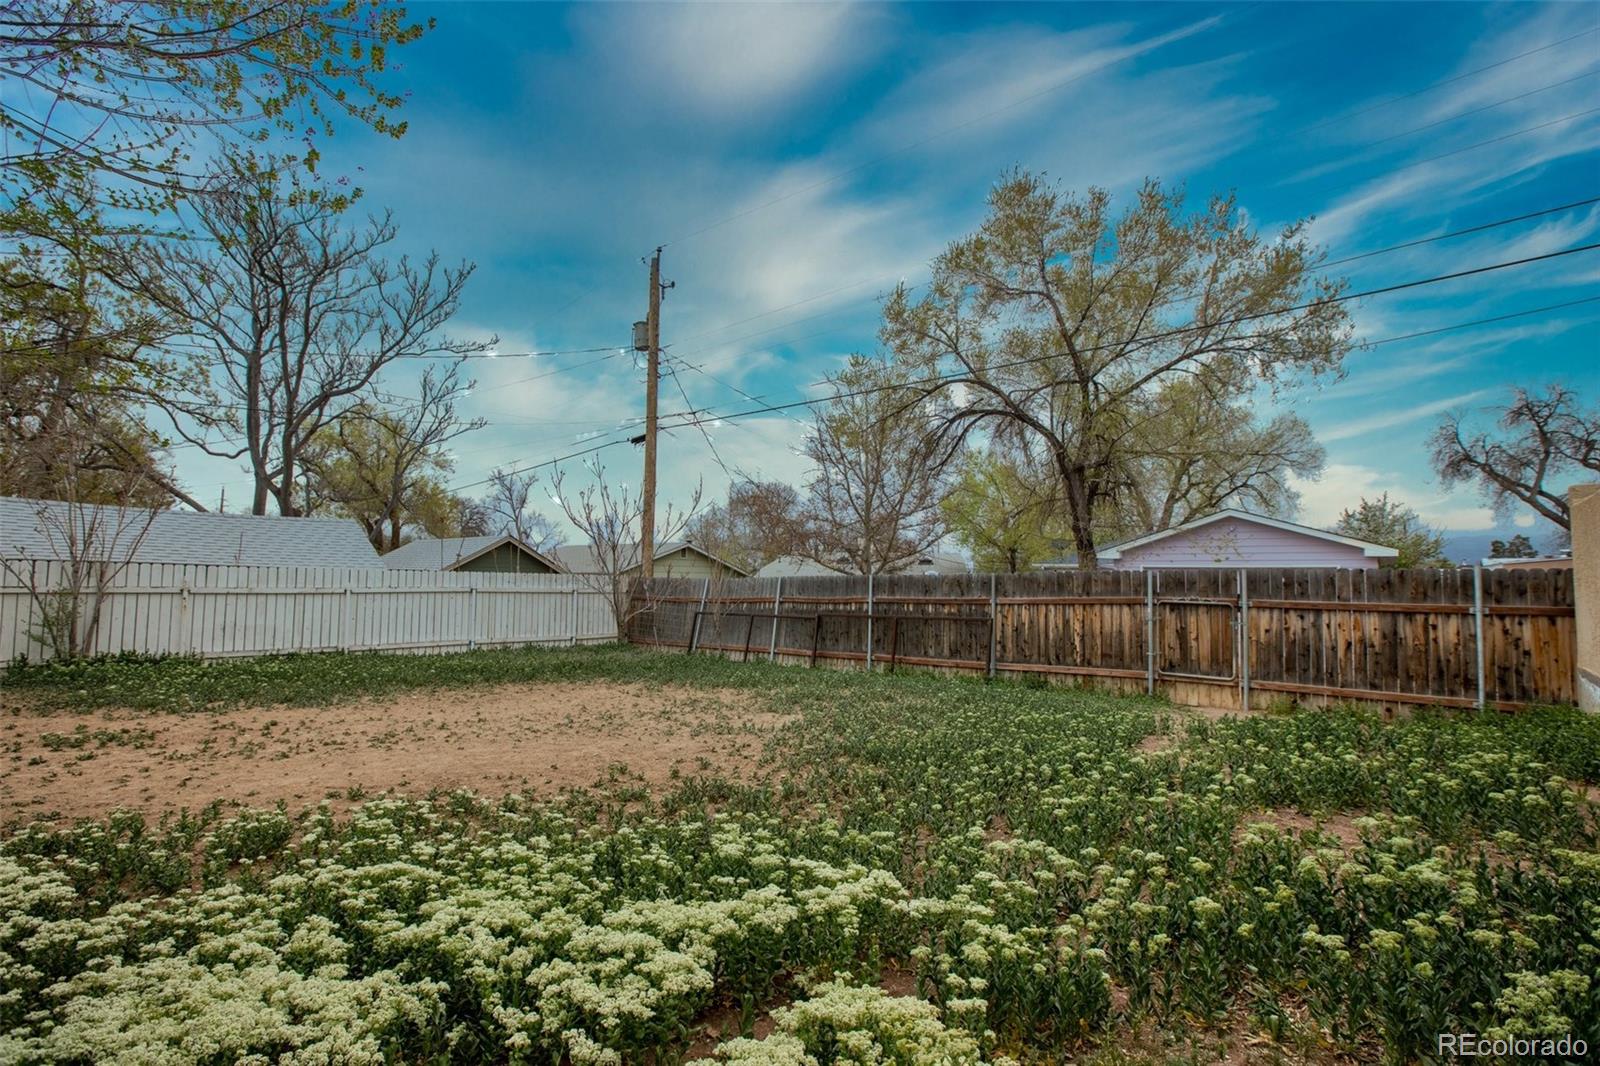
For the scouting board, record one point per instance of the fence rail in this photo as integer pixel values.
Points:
(1464, 637)
(218, 612)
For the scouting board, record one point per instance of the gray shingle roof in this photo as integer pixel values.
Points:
(35, 529)
(440, 553)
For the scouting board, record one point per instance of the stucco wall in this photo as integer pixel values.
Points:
(1235, 542)
(1584, 501)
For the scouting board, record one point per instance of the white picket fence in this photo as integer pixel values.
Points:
(221, 612)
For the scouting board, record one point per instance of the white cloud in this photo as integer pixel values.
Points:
(728, 60)
(1343, 485)
(1524, 521)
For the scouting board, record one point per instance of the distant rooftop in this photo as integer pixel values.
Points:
(443, 553)
(35, 529)
(581, 558)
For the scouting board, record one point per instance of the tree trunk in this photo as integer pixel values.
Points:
(1080, 510)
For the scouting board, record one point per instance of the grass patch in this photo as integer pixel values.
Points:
(1043, 884)
(186, 684)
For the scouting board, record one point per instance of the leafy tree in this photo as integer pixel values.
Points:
(1394, 525)
(435, 511)
(1061, 330)
(1208, 453)
(1543, 439)
(1518, 547)
(287, 316)
(873, 501)
(1002, 513)
(760, 521)
(73, 352)
(121, 93)
(378, 465)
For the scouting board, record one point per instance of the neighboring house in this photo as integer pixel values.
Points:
(930, 564)
(1233, 538)
(676, 558)
(36, 529)
(935, 564)
(1544, 562)
(472, 555)
(797, 566)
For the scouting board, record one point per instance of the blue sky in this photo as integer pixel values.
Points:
(554, 146)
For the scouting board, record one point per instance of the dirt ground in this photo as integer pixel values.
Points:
(544, 738)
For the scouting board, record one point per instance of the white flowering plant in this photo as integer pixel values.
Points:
(1036, 882)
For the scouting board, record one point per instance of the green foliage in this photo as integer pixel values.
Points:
(1119, 350)
(1003, 515)
(1518, 547)
(1394, 525)
(128, 89)
(1045, 884)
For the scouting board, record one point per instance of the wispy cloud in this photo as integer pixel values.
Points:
(1375, 423)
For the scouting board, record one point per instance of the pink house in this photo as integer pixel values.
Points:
(1232, 539)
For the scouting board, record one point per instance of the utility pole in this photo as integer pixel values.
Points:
(647, 532)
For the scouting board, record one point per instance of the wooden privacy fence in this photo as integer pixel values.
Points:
(1220, 637)
(227, 611)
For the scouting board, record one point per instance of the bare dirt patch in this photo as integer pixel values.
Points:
(1342, 827)
(541, 738)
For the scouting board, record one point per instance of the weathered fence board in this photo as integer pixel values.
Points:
(1218, 636)
(226, 611)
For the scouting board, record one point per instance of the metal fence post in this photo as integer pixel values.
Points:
(694, 627)
(1477, 630)
(869, 622)
(777, 600)
(1244, 641)
(186, 623)
(1150, 632)
(574, 616)
(344, 622)
(994, 622)
(472, 618)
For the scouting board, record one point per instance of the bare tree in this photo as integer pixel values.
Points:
(759, 521)
(510, 511)
(288, 316)
(609, 518)
(873, 502)
(1545, 438)
(87, 544)
(1056, 326)
(371, 463)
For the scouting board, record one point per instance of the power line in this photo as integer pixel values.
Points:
(1494, 140)
(1479, 228)
(1464, 232)
(692, 417)
(1482, 321)
(1483, 108)
(1341, 298)
(1439, 84)
(522, 355)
